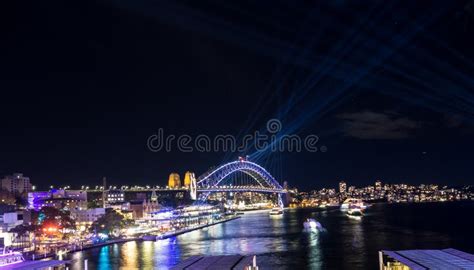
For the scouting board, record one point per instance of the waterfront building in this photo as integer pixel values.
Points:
(195, 215)
(8, 221)
(85, 217)
(137, 208)
(174, 181)
(351, 189)
(61, 199)
(342, 187)
(36, 199)
(65, 203)
(126, 213)
(378, 185)
(150, 206)
(16, 183)
(425, 259)
(115, 196)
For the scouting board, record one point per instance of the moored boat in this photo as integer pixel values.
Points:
(11, 258)
(276, 211)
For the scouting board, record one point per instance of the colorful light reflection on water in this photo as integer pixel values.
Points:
(281, 242)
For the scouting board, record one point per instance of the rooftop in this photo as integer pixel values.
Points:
(31, 265)
(421, 259)
(215, 262)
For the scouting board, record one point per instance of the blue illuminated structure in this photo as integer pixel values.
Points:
(262, 177)
(264, 181)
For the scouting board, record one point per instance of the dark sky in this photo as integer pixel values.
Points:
(387, 87)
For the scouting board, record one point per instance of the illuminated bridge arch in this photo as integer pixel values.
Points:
(213, 179)
(263, 179)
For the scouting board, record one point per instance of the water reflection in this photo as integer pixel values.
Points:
(166, 252)
(281, 242)
(129, 255)
(147, 254)
(357, 234)
(315, 258)
(104, 258)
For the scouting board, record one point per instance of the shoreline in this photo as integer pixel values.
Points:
(124, 240)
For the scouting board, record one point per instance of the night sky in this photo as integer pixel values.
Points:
(387, 86)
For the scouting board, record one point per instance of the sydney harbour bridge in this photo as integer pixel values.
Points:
(215, 181)
(232, 177)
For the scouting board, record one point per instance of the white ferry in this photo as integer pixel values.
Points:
(276, 211)
(348, 203)
(355, 211)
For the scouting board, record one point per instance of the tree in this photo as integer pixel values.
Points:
(53, 217)
(7, 197)
(21, 200)
(110, 223)
(23, 232)
(92, 204)
(23, 229)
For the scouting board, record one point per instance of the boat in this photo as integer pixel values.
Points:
(15, 260)
(333, 204)
(276, 211)
(355, 212)
(11, 258)
(312, 225)
(350, 203)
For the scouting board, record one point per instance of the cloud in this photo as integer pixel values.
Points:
(374, 125)
(453, 120)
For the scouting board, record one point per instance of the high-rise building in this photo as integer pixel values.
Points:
(16, 183)
(342, 187)
(351, 189)
(378, 185)
(174, 181)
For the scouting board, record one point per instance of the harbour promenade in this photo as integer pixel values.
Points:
(76, 248)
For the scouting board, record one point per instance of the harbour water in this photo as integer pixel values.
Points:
(281, 243)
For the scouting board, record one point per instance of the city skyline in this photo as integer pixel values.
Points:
(394, 119)
(174, 181)
(178, 134)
